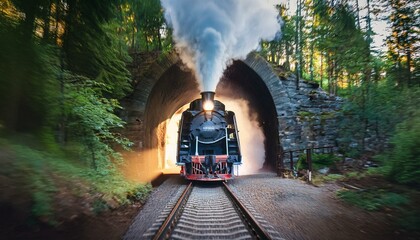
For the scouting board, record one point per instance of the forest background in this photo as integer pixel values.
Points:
(63, 69)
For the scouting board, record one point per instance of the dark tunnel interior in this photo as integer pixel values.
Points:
(240, 81)
(176, 87)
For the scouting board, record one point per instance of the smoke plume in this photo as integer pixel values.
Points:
(250, 134)
(209, 34)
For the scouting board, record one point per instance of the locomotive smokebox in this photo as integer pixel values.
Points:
(208, 100)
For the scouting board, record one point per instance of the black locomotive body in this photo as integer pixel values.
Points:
(208, 141)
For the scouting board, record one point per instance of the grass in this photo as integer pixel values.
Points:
(42, 173)
(410, 220)
(373, 199)
(318, 161)
(318, 179)
(402, 202)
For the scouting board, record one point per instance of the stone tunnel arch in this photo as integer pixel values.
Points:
(167, 86)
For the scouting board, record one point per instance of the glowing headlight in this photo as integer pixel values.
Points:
(208, 105)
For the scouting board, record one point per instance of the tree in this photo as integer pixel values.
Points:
(298, 43)
(145, 25)
(403, 42)
(64, 65)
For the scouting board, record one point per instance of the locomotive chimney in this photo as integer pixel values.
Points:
(207, 100)
(207, 96)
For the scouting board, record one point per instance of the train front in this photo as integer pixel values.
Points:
(208, 141)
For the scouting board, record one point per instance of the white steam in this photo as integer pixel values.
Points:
(251, 135)
(209, 34)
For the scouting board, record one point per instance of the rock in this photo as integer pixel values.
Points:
(324, 170)
(348, 160)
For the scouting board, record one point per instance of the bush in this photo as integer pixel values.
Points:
(42, 175)
(404, 160)
(91, 121)
(410, 220)
(373, 199)
(318, 161)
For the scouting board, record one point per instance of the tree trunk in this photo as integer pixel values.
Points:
(57, 19)
(357, 14)
(297, 44)
(46, 26)
(159, 40)
(329, 72)
(29, 22)
(311, 65)
(321, 72)
(62, 124)
(409, 60)
(288, 52)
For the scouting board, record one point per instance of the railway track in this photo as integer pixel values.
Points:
(210, 212)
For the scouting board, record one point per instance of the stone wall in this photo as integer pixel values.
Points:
(307, 117)
(312, 116)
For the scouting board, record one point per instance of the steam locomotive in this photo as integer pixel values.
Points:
(208, 141)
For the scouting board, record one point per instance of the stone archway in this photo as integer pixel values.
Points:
(167, 86)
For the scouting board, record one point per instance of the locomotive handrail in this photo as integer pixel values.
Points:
(215, 141)
(237, 134)
(227, 141)
(179, 138)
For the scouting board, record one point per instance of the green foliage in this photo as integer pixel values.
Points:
(139, 193)
(92, 121)
(404, 159)
(144, 27)
(320, 179)
(66, 88)
(373, 200)
(28, 80)
(382, 171)
(99, 57)
(410, 220)
(112, 60)
(63, 67)
(41, 173)
(353, 175)
(37, 176)
(114, 186)
(99, 205)
(333, 177)
(375, 114)
(318, 161)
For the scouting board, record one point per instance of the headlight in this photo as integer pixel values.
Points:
(208, 106)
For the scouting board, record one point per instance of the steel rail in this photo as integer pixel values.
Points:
(164, 230)
(255, 227)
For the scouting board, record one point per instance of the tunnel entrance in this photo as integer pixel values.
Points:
(242, 82)
(177, 87)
